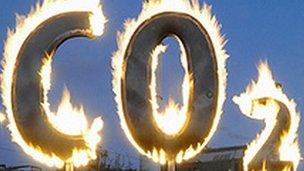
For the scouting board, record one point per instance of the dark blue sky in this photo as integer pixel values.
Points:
(255, 30)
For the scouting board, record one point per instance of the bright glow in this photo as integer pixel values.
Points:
(266, 87)
(97, 18)
(264, 167)
(287, 168)
(24, 27)
(71, 121)
(173, 118)
(2, 117)
(202, 15)
(67, 119)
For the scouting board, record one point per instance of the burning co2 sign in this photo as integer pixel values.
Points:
(177, 133)
(26, 81)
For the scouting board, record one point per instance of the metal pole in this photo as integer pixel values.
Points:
(171, 166)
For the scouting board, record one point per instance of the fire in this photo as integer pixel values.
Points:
(266, 87)
(69, 116)
(286, 168)
(2, 118)
(25, 25)
(212, 26)
(173, 118)
(67, 119)
(70, 120)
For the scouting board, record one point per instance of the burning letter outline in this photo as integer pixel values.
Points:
(265, 100)
(28, 54)
(132, 75)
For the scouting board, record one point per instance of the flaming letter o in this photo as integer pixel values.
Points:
(199, 34)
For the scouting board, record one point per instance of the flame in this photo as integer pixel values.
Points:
(2, 118)
(287, 168)
(210, 23)
(173, 118)
(75, 122)
(266, 87)
(25, 25)
(264, 168)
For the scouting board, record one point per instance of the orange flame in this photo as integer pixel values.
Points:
(264, 168)
(265, 87)
(2, 118)
(204, 16)
(16, 38)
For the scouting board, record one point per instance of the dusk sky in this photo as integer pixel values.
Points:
(256, 30)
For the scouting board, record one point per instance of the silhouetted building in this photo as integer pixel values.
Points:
(219, 159)
(20, 168)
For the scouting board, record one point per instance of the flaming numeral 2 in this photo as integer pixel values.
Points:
(134, 81)
(265, 100)
(26, 79)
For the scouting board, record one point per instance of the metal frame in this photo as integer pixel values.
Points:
(27, 90)
(202, 65)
